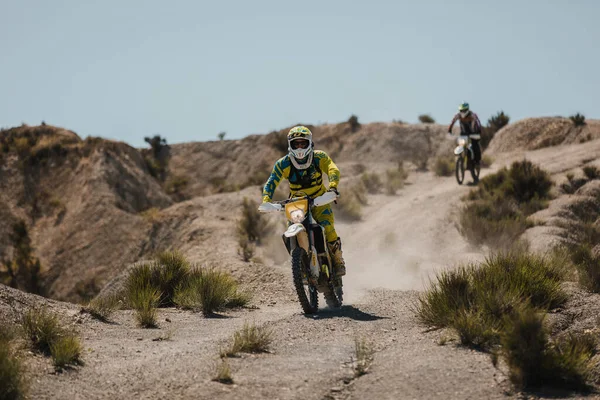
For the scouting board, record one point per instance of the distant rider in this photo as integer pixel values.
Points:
(469, 126)
(303, 167)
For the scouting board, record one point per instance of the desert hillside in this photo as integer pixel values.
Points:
(80, 197)
(537, 133)
(96, 210)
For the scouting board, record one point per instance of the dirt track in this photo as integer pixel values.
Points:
(402, 240)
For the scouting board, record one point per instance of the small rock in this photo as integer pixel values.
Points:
(167, 319)
(336, 389)
(140, 338)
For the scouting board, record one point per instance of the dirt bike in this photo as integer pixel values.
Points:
(312, 269)
(465, 155)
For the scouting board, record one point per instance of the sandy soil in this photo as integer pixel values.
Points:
(402, 240)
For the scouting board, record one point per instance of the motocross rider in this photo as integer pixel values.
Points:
(303, 167)
(469, 126)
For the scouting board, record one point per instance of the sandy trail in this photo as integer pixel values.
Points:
(401, 241)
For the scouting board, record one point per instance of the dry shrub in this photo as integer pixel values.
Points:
(395, 179)
(101, 308)
(210, 290)
(474, 299)
(251, 338)
(13, 382)
(48, 337)
(496, 213)
(534, 361)
(426, 119)
(444, 166)
(372, 182)
(363, 353)
(350, 202)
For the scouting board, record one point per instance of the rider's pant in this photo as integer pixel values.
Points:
(324, 217)
(466, 131)
(476, 149)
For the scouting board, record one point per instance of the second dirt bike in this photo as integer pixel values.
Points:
(465, 158)
(312, 269)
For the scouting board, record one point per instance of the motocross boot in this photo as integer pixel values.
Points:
(335, 251)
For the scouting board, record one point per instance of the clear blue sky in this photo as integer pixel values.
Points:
(190, 69)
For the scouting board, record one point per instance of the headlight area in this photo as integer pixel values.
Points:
(297, 216)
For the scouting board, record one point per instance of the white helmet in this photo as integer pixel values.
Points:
(300, 157)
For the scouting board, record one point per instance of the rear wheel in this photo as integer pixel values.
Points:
(460, 170)
(307, 293)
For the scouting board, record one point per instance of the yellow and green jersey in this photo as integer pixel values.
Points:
(308, 181)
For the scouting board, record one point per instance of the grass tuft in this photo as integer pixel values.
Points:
(395, 179)
(534, 362)
(363, 353)
(591, 172)
(66, 352)
(251, 338)
(443, 166)
(42, 328)
(210, 290)
(13, 383)
(371, 181)
(223, 374)
(101, 308)
(144, 300)
(474, 299)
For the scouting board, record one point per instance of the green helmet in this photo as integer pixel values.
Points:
(463, 107)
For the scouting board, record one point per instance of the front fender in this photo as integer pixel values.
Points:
(294, 230)
(458, 150)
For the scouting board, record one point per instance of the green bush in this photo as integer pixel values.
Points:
(354, 124)
(395, 179)
(250, 339)
(494, 124)
(588, 266)
(66, 352)
(210, 290)
(496, 213)
(578, 119)
(534, 362)
(426, 119)
(144, 300)
(48, 337)
(42, 328)
(165, 274)
(474, 299)
(101, 308)
(591, 172)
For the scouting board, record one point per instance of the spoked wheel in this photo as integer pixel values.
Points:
(334, 296)
(460, 170)
(307, 293)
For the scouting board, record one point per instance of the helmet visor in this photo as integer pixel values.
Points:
(299, 144)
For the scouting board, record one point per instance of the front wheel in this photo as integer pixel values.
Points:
(334, 296)
(460, 170)
(307, 293)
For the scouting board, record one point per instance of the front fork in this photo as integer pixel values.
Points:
(301, 239)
